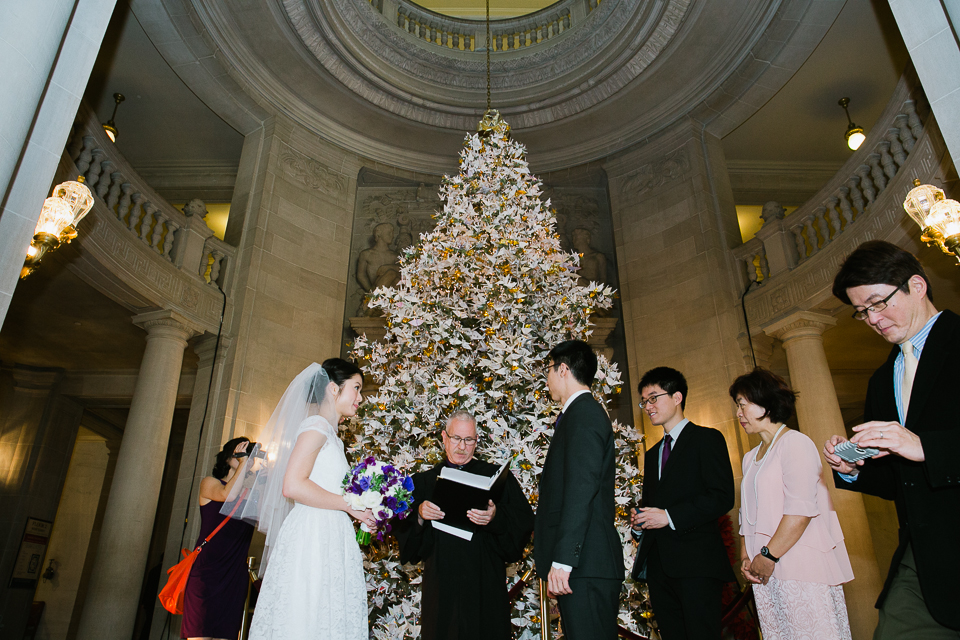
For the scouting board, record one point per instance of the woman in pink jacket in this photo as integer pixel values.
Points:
(791, 544)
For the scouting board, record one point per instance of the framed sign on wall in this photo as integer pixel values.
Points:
(33, 547)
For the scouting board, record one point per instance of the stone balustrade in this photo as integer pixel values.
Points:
(795, 258)
(180, 239)
(470, 35)
(134, 246)
(785, 243)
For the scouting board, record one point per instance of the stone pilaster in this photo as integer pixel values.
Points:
(818, 413)
(48, 48)
(294, 222)
(674, 222)
(928, 28)
(111, 600)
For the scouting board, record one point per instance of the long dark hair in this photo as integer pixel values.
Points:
(222, 466)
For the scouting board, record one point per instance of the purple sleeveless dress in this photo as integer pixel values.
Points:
(217, 586)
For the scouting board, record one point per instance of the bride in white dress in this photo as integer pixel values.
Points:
(313, 586)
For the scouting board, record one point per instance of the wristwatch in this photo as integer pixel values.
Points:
(766, 554)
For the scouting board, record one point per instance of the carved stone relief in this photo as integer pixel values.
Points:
(388, 220)
(655, 174)
(312, 174)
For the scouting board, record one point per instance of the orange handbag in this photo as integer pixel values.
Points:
(171, 596)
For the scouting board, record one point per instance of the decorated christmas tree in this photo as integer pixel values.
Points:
(481, 301)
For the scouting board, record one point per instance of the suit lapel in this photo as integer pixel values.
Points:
(932, 361)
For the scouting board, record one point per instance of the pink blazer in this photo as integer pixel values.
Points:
(788, 482)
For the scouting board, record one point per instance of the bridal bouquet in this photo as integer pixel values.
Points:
(382, 488)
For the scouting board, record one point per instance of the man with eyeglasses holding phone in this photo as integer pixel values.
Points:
(913, 428)
(464, 590)
(687, 486)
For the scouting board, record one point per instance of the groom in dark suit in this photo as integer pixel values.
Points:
(687, 486)
(576, 546)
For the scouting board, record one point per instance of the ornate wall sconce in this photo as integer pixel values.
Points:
(854, 134)
(57, 225)
(937, 215)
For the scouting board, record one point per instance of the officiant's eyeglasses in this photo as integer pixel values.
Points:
(457, 440)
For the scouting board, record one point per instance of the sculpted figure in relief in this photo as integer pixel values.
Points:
(377, 266)
(593, 264)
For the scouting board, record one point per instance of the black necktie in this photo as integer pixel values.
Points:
(665, 454)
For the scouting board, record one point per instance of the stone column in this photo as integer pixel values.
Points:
(194, 465)
(818, 413)
(111, 602)
(48, 48)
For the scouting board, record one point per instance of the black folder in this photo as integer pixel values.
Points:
(457, 491)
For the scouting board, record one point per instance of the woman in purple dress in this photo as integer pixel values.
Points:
(217, 586)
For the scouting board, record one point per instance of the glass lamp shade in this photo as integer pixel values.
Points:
(56, 215)
(920, 201)
(944, 219)
(77, 197)
(855, 138)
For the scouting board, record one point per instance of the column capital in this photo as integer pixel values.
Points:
(802, 324)
(168, 323)
(205, 345)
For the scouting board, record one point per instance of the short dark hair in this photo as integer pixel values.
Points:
(767, 390)
(579, 357)
(340, 370)
(222, 465)
(878, 262)
(670, 380)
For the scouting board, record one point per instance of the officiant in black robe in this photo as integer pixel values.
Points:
(464, 589)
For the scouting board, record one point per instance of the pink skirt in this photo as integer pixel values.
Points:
(794, 610)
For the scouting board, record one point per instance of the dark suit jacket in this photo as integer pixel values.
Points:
(576, 510)
(927, 494)
(696, 489)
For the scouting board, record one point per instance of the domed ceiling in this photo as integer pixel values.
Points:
(604, 76)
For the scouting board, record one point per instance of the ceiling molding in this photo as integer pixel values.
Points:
(209, 182)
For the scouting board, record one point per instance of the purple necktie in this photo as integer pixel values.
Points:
(665, 453)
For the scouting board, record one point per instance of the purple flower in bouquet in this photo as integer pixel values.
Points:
(381, 488)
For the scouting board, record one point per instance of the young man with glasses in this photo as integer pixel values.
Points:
(576, 547)
(464, 593)
(912, 417)
(687, 486)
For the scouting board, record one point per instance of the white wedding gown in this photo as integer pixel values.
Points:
(314, 586)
